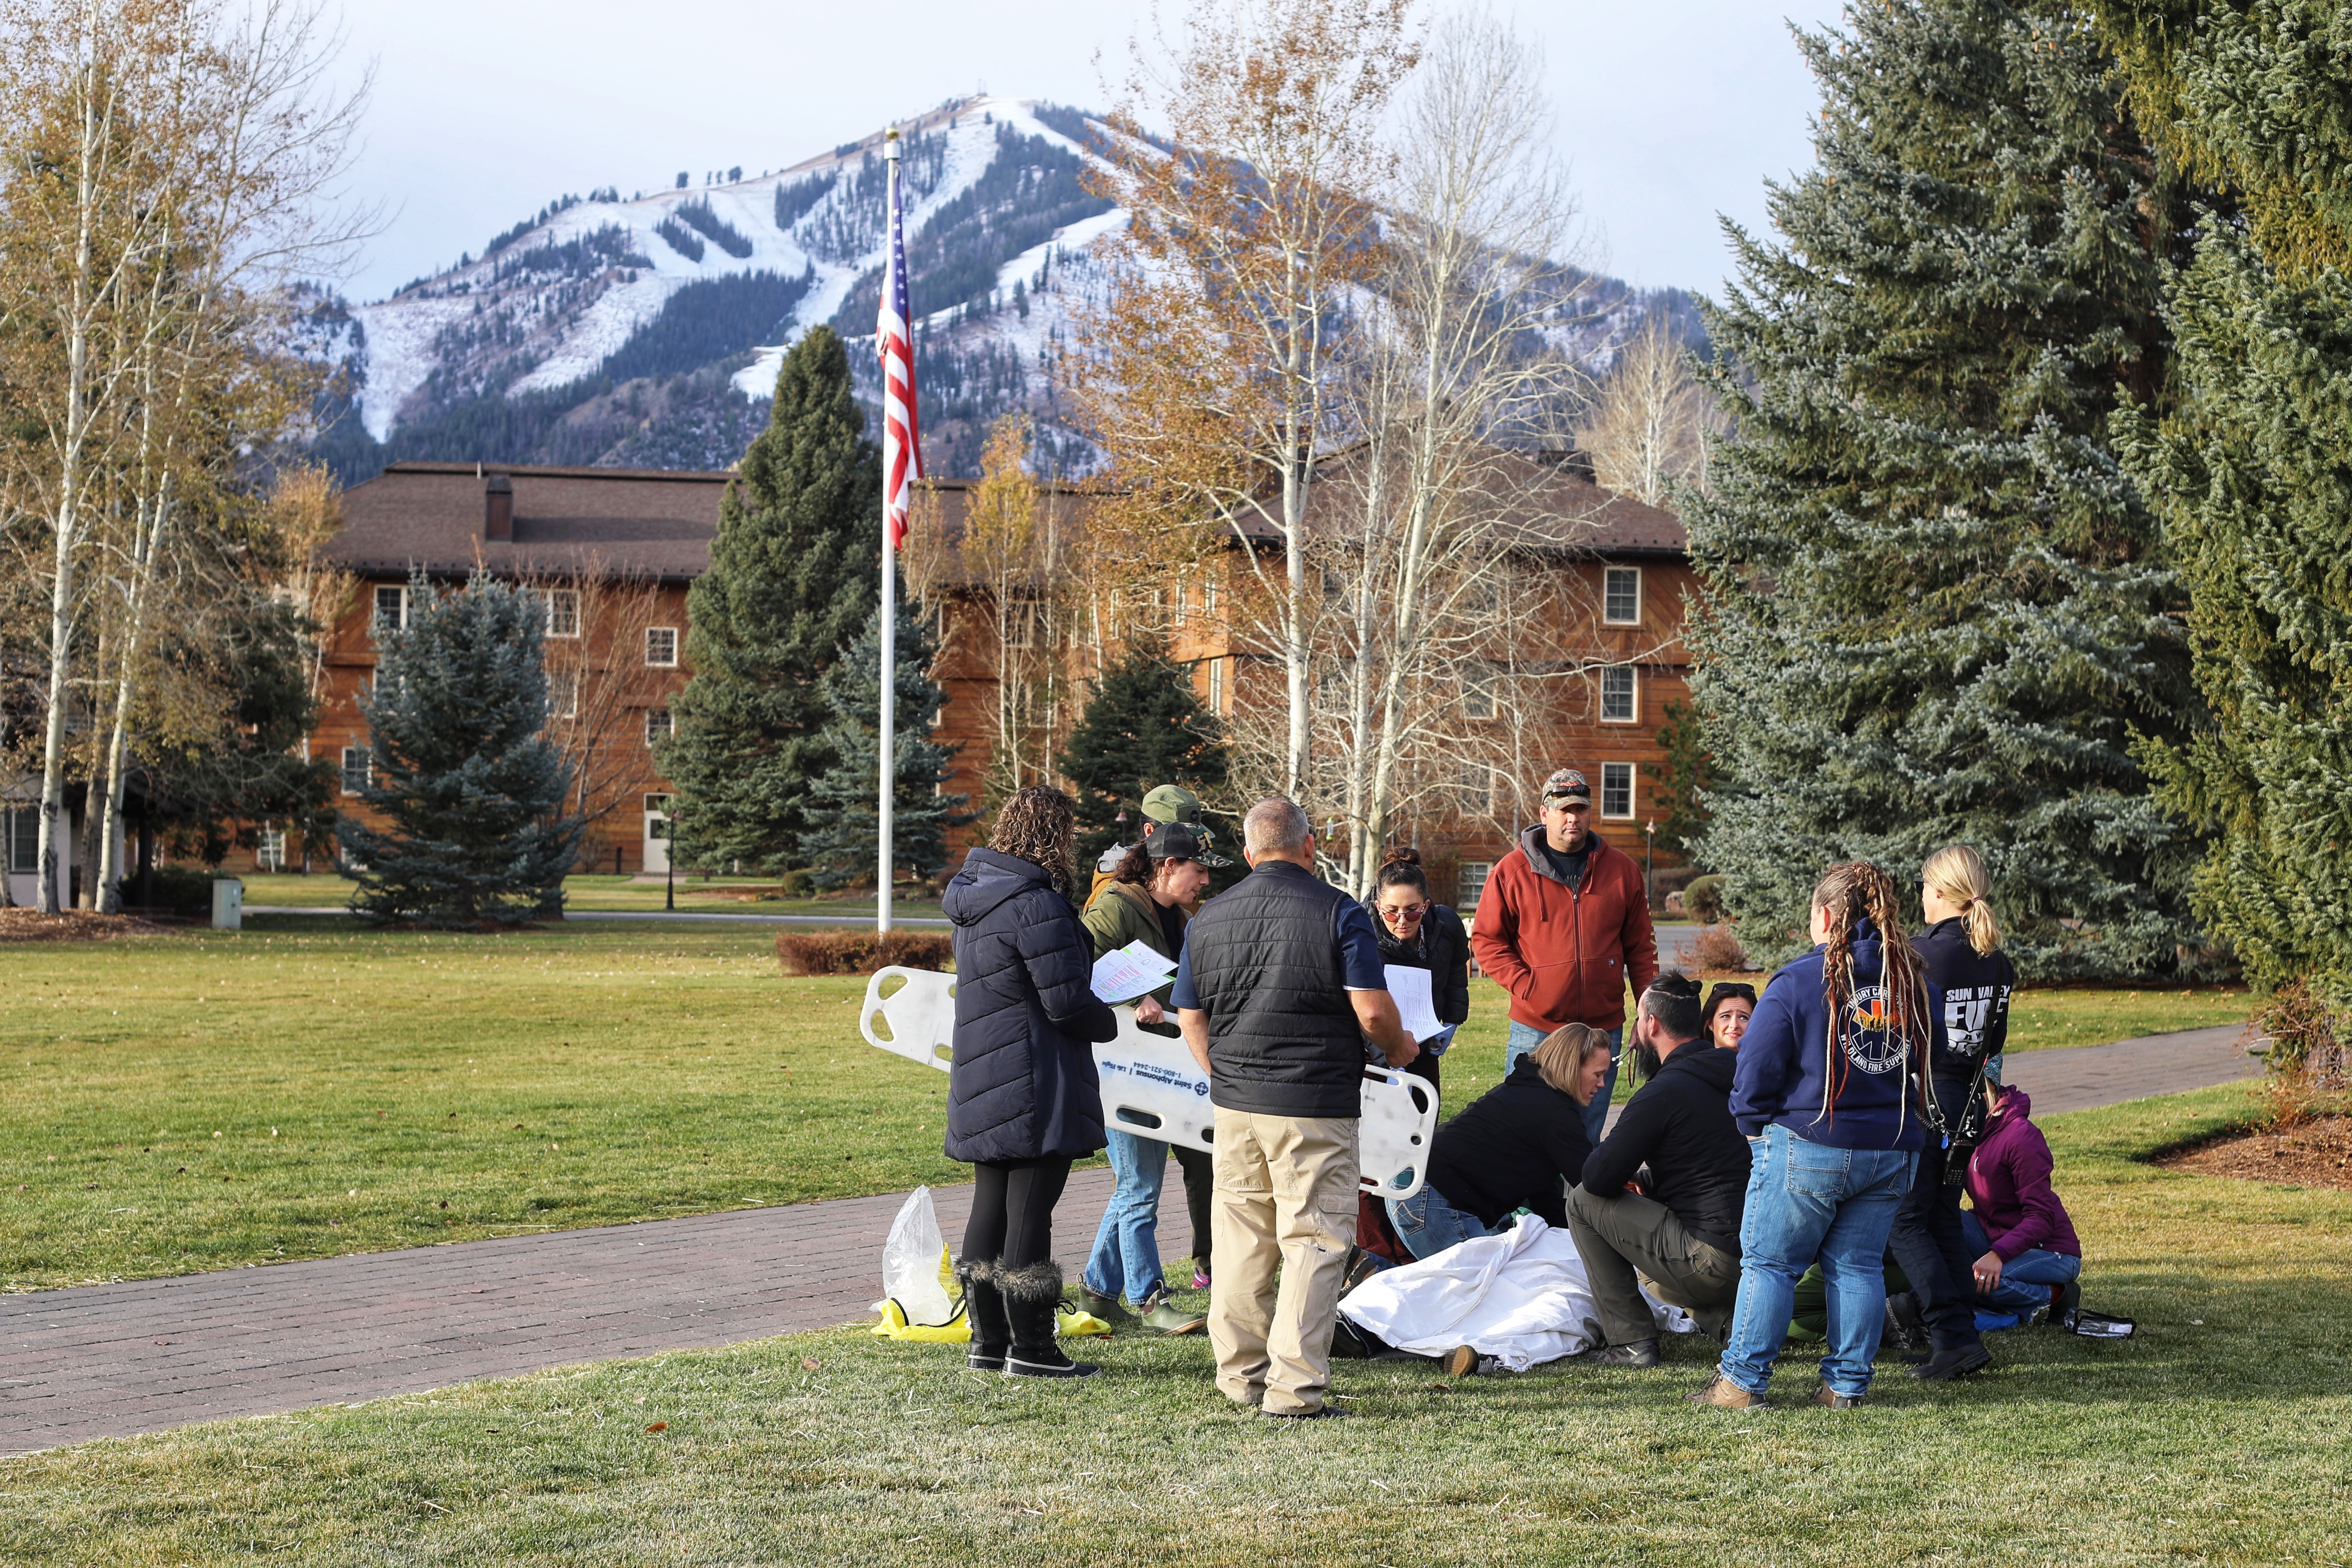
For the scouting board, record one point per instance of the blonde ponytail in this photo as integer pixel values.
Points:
(1958, 877)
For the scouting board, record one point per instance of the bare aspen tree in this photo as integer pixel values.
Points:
(1017, 557)
(1452, 360)
(1212, 380)
(598, 681)
(1653, 424)
(165, 166)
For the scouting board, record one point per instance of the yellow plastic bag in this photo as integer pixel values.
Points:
(1070, 1322)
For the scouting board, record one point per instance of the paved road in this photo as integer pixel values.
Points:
(111, 1360)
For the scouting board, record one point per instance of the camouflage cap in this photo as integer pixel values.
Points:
(1567, 786)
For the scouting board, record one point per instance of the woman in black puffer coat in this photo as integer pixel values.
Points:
(1022, 1102)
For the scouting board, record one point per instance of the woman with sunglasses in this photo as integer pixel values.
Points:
(1729, 1005)
(1417, 932)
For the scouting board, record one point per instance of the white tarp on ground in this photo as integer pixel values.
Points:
(1520, 1296)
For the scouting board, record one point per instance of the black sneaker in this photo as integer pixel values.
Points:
(1059, 1365)
(1641, 1352)
(1950, 1366)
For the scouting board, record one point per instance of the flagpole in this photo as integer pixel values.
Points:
(887, 713)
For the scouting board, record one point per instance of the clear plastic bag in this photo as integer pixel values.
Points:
(910, 1262)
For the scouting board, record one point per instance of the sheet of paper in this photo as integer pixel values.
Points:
(1410, 988)
(1124, 973)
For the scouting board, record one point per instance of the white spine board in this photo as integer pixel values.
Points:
(1151, 1084)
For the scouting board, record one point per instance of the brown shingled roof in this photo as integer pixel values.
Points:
(652, 522)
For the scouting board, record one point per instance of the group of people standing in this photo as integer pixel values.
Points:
(1769, 1135)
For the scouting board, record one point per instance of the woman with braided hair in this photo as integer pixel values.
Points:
(1022, 1098)
(1828, 1094)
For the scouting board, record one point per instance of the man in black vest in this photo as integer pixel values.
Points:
(1280, 983)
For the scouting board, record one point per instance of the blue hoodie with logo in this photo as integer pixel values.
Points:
(1783, 1074)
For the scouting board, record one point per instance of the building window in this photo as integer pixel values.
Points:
(392, 606)
(1617, 704)
(1216, 685)
(657, 725)
(1478, 693)
(24, 840)
(1473, 883)
(1621, 595)
(269, 848)
(1476, 791)
(562, 613)
(1209, 598)
(564, 694)
(358, 772)
(1023, 619)
(661, 645)
(1617, 790)
(658, 816)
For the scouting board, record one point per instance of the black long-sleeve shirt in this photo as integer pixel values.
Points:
(1510, 1149)
(1679, 1124)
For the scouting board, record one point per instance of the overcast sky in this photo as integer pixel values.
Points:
(1670, 112)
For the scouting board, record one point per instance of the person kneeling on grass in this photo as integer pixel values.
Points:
(1684, 1235)
(2026, 1245)
(1828, 1093)
(1511, 1148)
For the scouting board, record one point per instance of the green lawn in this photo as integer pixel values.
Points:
(329, 890)
(311, 1087)
(2216, 1436)
(206, 1099)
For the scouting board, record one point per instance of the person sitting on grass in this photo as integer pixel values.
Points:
(1511, 1148)
(1728, 1008)
(1684, 1233)
(1154, 887)
(2024, 1241)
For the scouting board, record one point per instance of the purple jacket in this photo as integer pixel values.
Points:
(2008, 1182)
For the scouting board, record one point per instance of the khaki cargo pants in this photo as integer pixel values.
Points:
(1286, 1194)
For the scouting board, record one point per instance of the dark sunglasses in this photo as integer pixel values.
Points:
(1731, 989)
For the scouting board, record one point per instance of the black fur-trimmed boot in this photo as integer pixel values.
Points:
(1031, 1294)
(984, 1309)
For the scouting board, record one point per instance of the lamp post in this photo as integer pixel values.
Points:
(670, 855)
(1649, 859)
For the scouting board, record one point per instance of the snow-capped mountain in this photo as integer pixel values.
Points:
(647, 331)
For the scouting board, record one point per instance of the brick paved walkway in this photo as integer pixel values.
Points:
(111, 1360)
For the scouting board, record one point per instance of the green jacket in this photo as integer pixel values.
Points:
(1122, 913)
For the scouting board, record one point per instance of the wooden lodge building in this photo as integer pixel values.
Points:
(615, 550)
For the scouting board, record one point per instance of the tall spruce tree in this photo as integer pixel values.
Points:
(471, 790)
(840, 844)
(1934, 609)
(2253, 470)
(792, 577)
(1142, 727)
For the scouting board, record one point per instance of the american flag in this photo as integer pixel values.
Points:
(902, 450)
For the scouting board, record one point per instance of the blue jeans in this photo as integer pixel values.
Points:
(2025, 1280)
(1428, 1224)
(1807, 1200)
(1126, 1259)
(1526, 1037)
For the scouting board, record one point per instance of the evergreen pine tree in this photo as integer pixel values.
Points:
(791, 578)
(1935, 611)
(840, 844)
(2254, 472)
(471, 790)
(1141, 728)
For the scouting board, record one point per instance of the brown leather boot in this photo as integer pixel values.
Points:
(1726, 1394)
(1829, 1398)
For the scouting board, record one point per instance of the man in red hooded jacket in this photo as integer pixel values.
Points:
(1562, 925)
